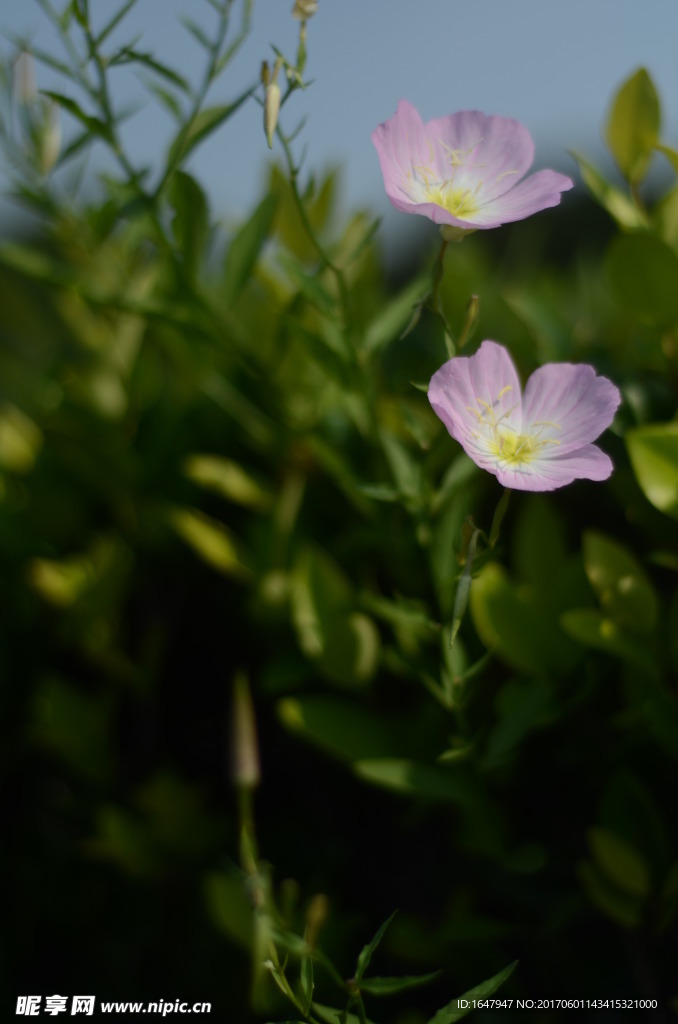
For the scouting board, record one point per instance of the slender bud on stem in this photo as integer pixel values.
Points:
(271, 111)
(316, 915)
(265, 73)
(25, 88)
(245, 764)
(304, 9)
(50, 139)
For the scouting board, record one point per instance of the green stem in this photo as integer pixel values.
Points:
(434, 299)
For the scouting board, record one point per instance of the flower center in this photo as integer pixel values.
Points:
(501, 440)
(515, 449)
(460, 202)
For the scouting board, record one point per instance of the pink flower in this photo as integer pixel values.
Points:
(536, 441)
(463, 171)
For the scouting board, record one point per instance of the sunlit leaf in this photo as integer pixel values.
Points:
(211, 540)
(627, 214)
(228, 479)
(653, 451)
(344, 730)
(418, 780)
(20, 440)
(633, 125)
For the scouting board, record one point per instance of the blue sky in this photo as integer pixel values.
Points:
(553, 66)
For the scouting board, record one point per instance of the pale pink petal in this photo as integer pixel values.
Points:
(538, 192)
(401, 145)
(569, 405)
(467, 390)
(547, 474)
(493, 151)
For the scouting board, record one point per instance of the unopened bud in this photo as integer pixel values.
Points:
(304, 9)
(25, 88)
(246, 771)
(265, 73)
(316, 915)
(50, 139)
(271, 111)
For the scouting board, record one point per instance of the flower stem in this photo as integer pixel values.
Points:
(434, 299)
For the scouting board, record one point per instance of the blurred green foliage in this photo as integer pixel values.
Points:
(214, 464)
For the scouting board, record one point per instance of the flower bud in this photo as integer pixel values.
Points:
(271, 111)
(25, 88)
(304, 9)
(245, 749)
(50, 139)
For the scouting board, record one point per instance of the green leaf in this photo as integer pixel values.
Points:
(463, 588)
(420, 780)
(591, 628)
(621, 584)
(20, 440)
(333, 1016)
(228, 479)
(197, 33)
(670, 153)
(633, 125)
(392, 986)
(406, 470)
(210, 540)
(167, 99)
(306, 982)
(643, 271)
(190, 224)
(665, 217)
(203, 125)
(93, 124)
(113, 23)
(74, 725)
(455, 1010)
(344, 642)
(392, 317)
(522, 705)
(344, 730)
(366, 953)
(620, 206)
(230, 906)
(519, 624)
(622, 907)
(245, 248)
(131, 56)
(653, 451)
(619, 861)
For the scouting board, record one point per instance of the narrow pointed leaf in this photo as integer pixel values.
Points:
(203, 125)
(245, 248)
(392, 986)
(454, 1012)
(367, 952)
